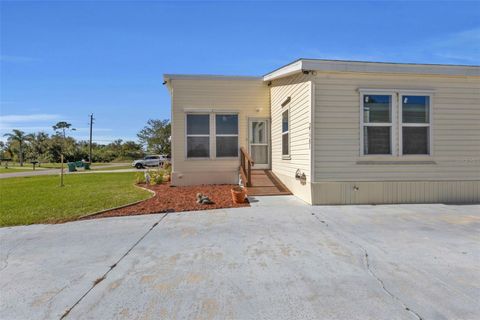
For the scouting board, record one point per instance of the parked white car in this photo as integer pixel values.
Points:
(150, 161)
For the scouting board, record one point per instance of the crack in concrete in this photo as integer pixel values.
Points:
(6, 260)
(373, 274)
(50, 300)
(10, 251)
(104, 276)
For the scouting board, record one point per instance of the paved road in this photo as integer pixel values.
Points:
(46, 172)
(43, 172)
(279, 259)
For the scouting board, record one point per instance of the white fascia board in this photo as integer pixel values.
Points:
(292, 68)
(381, 67)
(167, 77)
(371, 67)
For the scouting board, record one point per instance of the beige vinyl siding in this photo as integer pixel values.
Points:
(244, 96)
(455, 129)
(298, 88)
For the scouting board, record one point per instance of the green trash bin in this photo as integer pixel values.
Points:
(79, 164)
(86, 165)
(71, 167)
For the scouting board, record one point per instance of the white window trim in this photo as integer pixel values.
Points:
(401, 94)
(226, 135)
(391, 124)
(397, 122)
(286, 156)
(198, 135)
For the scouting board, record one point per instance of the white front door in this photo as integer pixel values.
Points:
(259, 143)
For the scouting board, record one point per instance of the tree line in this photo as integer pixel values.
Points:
(22, 147)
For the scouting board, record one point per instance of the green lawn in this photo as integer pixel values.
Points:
(29, 200)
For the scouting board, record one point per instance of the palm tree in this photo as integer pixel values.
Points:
(39, 144)
(20, 137)
(62, 127)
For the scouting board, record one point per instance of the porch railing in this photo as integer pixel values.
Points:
(246, 164)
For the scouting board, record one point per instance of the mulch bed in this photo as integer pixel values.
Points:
(176, 199)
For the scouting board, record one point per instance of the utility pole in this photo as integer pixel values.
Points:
(90, 147)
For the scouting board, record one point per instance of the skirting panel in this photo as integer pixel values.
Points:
(204, 177)
(396, 192)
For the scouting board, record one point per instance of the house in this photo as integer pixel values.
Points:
(334, 132)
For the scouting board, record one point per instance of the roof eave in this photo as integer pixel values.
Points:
(288, 70)
(371, 67)
(167, 77)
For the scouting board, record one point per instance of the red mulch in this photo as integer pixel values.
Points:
(175, 199)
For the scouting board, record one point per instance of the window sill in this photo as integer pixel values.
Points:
(196, 159)
(214, 159)
(395, 162)
(286, 158)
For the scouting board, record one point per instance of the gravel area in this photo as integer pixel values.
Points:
(175, 199)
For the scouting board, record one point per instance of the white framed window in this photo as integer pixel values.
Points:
(286, 134)
(198, 136)
(395, 122)
(377, 123)
(415, 119)
(226, 135)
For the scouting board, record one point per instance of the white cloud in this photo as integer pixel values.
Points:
(29, 129)
(14, 118)
(47, 128)
(87, 129)
(103, 139)
(43, 122)
(463, 46)
(28, 122)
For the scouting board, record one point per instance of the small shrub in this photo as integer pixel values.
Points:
(167, 166)
(157, 179)
(140, 177)
(156, 176)
(160, 171)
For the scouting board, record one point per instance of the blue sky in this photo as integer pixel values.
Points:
(64, 60)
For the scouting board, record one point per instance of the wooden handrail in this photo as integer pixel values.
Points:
(245, 152)
(246, 164)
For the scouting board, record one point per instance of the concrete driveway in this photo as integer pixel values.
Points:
(279, 259)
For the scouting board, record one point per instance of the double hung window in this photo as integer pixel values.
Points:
(285, 134)
(395, 123)
(226, 135)
(200, 141)
(198, 135)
